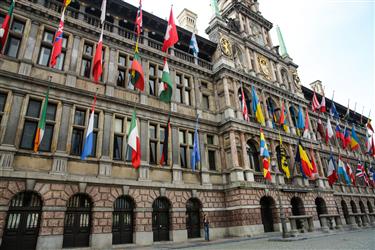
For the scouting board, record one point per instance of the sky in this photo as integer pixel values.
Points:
(331, 40)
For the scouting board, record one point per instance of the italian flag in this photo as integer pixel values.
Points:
(4, 30)
(42, 125)
(134, 142)
(165, 86)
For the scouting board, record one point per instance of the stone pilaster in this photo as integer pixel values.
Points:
(112, 73)
(176, 168)
(105, 165)
(144, 169)
(71, 77)
(26, 61)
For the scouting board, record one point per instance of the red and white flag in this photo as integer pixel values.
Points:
(323, 108)
(171, 36)
(98, 59)
(315, 103)
(139, 19)
(244, 106)
(57, 42)
(104, 10)
(329, 130)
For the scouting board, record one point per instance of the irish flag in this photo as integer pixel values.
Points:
(165, 86)
(42, 125)
(134, 142)
(4, 30)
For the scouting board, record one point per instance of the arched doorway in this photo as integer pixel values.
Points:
(23, 222)
(321, 207)
(297, 209)
(193, 222)
(355, 211)
(160, 219)
(77, 224)
(345, 212)
(369, 207)
(122, 221)
(267, 206)
(362, 207)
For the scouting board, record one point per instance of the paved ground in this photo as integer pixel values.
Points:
(343, 240)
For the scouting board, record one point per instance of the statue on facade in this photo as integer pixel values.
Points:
(296, 81)
(234, 25)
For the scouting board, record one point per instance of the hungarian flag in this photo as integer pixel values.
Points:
(323, 105)
(41, 125)
(137, 75)
(171, 36)
(165, 86)
(4, 30)
(164, 155)
(134, 142)
(245, 112)
(315, 103)
(57, 43)
(98, 59)
(139, 19)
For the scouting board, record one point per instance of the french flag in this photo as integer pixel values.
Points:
(87, 149)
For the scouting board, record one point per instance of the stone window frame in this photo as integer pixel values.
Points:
(98, 130)
(4, 114)
(212, 147)
(25, 118)
(90, 58)
(206, 89)
(159, 140)
(186, 145)
(124, 68)
(156, 77)
(184, 89)
(126, 121)
(13, 34)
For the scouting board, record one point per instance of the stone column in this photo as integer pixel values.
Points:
(291, 124)
(71, 77)
(265, 110)
(205, 175)
(26, 62)
(249, 173)
(176, 168)
(257, 67)
(311, 128)
(144, 169)
(274, 77)
(8, 147)
(105, 164)
(236, 171)
(229, 112)
(112, 73)
(248, 59)
(60, 158)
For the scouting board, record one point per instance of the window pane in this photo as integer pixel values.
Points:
(152, 87)
(34, 108)
(153, 152)
(17, 27)
(128, 154)
(51, 111)
(45, 145)
(205, 102)
(178, 95)
(64, 42)
(45, 54)
(152, 131)
(77, 138)
(186, 82)
(178, 79)
(122, 61)
(152, 71)
(121, 78)
(210, 139)
(60, 61)
(88, 49)
(181, 137)
(190, 138)
(79, 118)
(162, 133)
(13, 45)
(119, 125)
(211, 160)
(96, 120)
(48, 37)
(160, 73)
(94, 142)
(86, 68)
(2, 102)
(28, 136)
(187, 97)
(183, 157)
(117, 147)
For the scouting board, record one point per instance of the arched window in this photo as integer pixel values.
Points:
(160, 219)
(247, 100)
(294, 115)
(23, 221)
(122, 221)
(77, 224)
(193, 221)
(274, 111)
(253, 155)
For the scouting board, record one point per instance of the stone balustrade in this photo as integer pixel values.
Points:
(305, 224)
(327, 222)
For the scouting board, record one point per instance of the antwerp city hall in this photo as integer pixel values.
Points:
(52, 199)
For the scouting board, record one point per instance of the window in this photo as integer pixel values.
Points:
(153, 143)
(186, 139)
(79, 130)
(211, 150)
(274, 112)
(253, 155)
(14, 39)
(118, 140)
(46, 49)
(32, 118)
(187, 87)
(183, 89)
(205, 102)
(124, 72)
(155, 75)
(294, 115)
(88, 51)
(179, 88)
(3, 98)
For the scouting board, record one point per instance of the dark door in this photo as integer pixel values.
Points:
(321, 208)
(122, 226)
(266, 204)
(193, 223)
(23, 222)
(298, 209)
(160, 219)
(77, 223)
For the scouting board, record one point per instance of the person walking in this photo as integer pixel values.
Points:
(206, 224)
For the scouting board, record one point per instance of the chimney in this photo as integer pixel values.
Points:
(317, 86)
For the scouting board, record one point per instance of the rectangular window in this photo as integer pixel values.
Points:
(14, 39)
(186, 147)
(211, 160)
(153, 143)
(46, 50)
(152, 80)
(183, 89)
(78, 132)
(88, 50)
(32, 118)
(205, 102)
(3, 99)
(122, 63)
(118, 142)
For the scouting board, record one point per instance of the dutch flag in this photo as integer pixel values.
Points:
(87, 149)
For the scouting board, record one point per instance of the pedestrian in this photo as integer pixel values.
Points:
(206, 224)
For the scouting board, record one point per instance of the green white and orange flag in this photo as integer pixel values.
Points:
(41, 125)
(134, 142)
(4, 30)
(165, 86)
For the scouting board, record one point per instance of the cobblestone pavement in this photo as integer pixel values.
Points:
(364, 239)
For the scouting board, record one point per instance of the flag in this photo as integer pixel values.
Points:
(368, 125)
(304, 162)
(372, 152)
(282, 115)
(4, 30)
(89, 142)
(171, 36)
(300, 122)
(360, 173)
(315, 173)
(329, 131)
(66, 3)
(346, 137)
(332, 175)
(341, 171)
(257, 110)
(98, 59)
(323, 105)
(368, 143)
(139, 19)
(315, 103)
(333, 111)
(347, 114)
(57, 43)
(41, 125)
(349, 171)
(372, 175)
(320, 129)
(195, 155)
(165, 85)
(354, 141)
(103, 11)
(134, 142)
(266, 157)
(283, 159)
(340, 134)
(164, 155)
(306, 131)
(245, 112)
(194, 46)
(137, 75)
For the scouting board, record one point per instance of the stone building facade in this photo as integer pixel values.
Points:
(52, 199)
